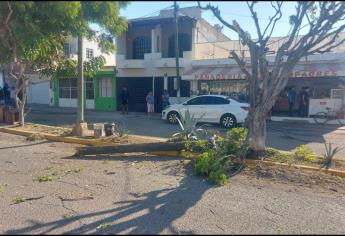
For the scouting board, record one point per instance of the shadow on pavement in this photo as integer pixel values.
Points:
(26, 145)
(287, 136)
(148, 213)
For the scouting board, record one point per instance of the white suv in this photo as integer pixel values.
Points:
(211, 108)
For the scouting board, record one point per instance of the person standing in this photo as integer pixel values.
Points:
(150, 100)
(124, 99)
(7, 94)
(291, 99)
(165, 99)
(304, 102)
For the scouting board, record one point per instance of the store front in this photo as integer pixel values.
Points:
(326, 87)
(227, 81)
(324, 80)
(100, 92)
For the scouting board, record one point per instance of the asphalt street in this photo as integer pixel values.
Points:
(138, 194)
(283, 135)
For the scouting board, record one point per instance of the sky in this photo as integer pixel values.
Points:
(230, 10)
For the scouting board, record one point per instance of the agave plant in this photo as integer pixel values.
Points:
(189, 127)
(330, 153)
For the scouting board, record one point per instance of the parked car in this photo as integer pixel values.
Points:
(211, 109)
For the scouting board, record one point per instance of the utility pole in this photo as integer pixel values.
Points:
(80, 127)
(80, 114)
(177, 52)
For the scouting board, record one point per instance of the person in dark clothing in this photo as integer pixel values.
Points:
(165, 99)
(291, 99)
(124, 100)
(304, 102)
(7, 94)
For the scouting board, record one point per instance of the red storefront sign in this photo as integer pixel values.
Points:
(317, 70)
(234, 73)
(218, 76)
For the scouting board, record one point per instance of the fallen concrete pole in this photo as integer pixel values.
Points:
(128, 148)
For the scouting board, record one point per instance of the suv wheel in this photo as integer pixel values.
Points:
(228, 121)
(172, 117)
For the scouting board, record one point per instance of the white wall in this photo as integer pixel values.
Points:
(66, 102)
(38, 91)
(110, 58)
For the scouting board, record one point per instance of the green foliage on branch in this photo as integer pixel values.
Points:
(34, 32)
(215, 163)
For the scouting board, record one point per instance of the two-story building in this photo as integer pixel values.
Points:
(145, 55)
(146, 62)
(100, 93)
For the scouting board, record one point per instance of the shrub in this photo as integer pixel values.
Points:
(305, 153)
(330, 153)
(203, 163)
(218, 177)
(210, 165)
(234, 140)
(121, 130)
(195, 146)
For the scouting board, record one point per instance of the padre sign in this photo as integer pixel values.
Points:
(318, 70)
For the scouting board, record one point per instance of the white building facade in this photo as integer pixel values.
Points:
(62, 92)
(146, 62)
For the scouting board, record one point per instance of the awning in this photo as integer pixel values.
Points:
(318, 70)
(214, 73)
(309, 70)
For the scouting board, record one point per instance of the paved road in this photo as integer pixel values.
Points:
(282, 135)
(148, 195)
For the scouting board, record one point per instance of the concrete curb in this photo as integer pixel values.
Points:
(271, 163)
(57, 138)
(53, 137)
(268, 163)
(93, 142)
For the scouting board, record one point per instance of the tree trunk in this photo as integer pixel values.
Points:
(257, 130)
(22, 107)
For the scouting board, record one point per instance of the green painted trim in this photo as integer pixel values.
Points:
(105, 104)
(56, 92)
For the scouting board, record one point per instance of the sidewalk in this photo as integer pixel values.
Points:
(37, 108)
(301, 120)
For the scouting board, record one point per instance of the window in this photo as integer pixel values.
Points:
(89, 88)
(217, 101)
(158, 43)
(141, 45)
(184, 44)
(67, 49)
(68, 88)
(105, 87)
(197, 101)
(89, 53)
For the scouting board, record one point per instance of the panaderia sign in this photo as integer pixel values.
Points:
(234, 73)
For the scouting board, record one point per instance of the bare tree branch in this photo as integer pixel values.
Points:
(256, 20)
(7, 20)
(235, 27)
(241, 64)
(278, 15)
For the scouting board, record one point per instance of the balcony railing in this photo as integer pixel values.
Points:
(152, 60)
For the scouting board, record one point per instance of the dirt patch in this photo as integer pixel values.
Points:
(298, 177)
(67, 132)
(62, 131)
(291, 159)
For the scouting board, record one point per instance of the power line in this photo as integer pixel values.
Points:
(170, 6)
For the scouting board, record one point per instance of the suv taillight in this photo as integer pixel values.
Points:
(245, 108)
